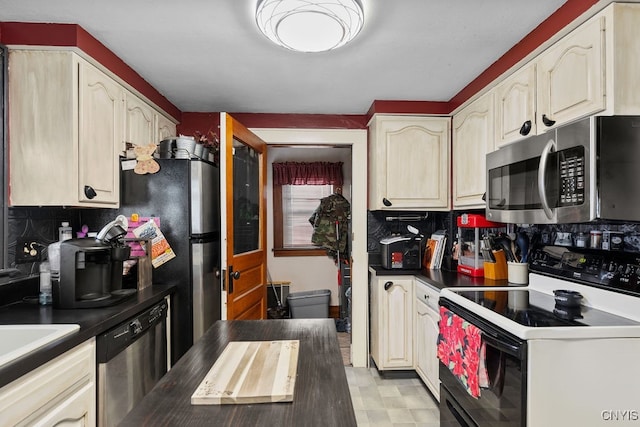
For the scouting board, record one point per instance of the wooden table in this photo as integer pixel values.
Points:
(321, 395)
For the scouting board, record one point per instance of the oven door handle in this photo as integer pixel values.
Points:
(503, 346)
(542, 171)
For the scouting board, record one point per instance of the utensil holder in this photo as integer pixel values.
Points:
(518, 273)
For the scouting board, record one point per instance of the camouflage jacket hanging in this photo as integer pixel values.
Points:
(332, 209)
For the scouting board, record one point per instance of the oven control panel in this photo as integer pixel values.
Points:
(620, 272)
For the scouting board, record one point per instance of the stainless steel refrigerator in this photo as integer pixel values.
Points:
(185, 194)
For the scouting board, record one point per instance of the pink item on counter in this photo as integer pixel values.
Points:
(136, 249)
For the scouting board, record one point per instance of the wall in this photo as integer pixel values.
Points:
(305, 273)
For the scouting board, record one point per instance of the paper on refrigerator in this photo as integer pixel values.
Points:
(161, 252)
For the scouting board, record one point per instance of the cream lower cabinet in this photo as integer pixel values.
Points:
(409, 160)
(426, 333)
(392, 322)
(60, 393)
(473, 137)
(65, 131)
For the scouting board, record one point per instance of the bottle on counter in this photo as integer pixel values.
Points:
(65, 232)
(45, 297)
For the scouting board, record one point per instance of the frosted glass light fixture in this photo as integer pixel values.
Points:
(310, 25)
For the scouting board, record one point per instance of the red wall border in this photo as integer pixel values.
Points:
(66, 35)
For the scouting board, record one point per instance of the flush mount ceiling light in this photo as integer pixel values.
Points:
(308, 25)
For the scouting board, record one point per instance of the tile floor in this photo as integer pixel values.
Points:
(390, 402)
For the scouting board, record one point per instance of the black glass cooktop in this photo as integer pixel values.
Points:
(535, 309)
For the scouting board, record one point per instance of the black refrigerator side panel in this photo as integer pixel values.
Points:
(167, 194)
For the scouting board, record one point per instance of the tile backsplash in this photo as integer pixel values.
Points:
(41, 224)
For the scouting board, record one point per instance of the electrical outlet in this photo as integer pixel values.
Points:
(28, 250)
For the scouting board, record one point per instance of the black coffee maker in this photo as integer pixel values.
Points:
(91, 270)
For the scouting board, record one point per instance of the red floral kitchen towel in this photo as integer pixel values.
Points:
(460, 348)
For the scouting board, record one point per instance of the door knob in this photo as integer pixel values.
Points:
(233, 275)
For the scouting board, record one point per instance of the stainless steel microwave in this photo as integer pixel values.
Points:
(583, 171)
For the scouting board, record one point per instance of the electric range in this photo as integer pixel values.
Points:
(547, 364)
(529, 313)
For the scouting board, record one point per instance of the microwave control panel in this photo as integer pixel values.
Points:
(571, 168)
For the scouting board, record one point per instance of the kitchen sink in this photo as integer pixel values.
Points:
(18, 340)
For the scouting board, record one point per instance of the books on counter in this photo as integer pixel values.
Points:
(434, 250)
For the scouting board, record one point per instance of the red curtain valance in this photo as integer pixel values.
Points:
(311, 173)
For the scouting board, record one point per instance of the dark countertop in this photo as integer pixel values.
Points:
(92, 321)
(321, 395)
(440, 278)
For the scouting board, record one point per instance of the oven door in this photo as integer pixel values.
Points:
(503, 402)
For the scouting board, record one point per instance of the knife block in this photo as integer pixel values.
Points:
(496, 270)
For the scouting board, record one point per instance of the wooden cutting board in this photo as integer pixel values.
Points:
(251, 372)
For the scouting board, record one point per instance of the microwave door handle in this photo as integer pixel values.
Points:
(542, 170)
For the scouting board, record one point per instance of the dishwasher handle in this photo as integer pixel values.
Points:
(110, 343)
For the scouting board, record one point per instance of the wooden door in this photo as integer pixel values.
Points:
(243, 199)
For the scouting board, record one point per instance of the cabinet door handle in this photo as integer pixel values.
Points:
(386, 202)
(89, 192)
(526, 128)
(388, 286)
(547, 121)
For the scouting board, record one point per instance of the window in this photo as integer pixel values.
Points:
(297, 191)
(293, 205)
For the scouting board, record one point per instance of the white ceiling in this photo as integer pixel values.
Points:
(208, 55)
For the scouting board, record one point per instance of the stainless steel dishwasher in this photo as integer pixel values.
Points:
(131, 359)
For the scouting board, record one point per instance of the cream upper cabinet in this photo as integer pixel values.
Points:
(140, 128)
(571, 76)
(586, 72)
(409, 162)
(392, 322)
(515, 106)
(165, 128)
(473, 137)
(100, 136)
(65, 131)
